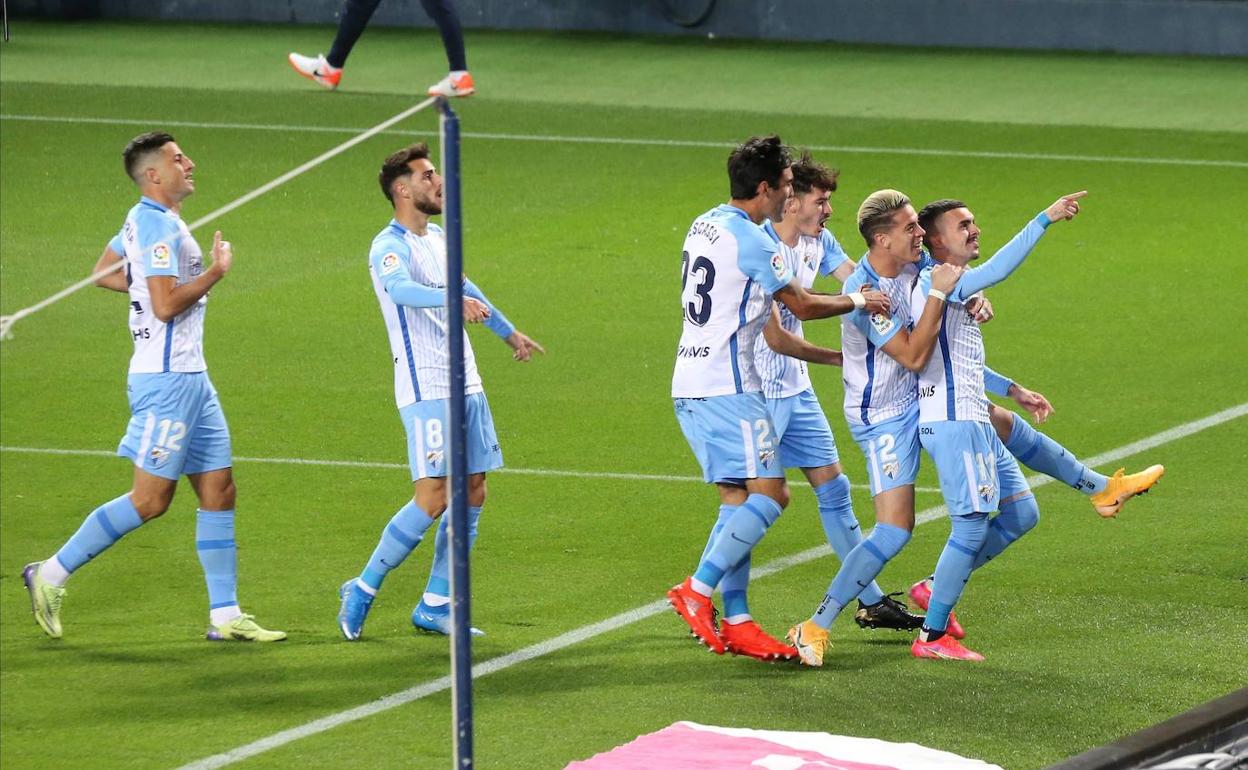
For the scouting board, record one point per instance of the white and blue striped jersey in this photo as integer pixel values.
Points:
(730, 270)
(418, 336)
(951, 386)
(784, 376)
(157, 242)
(877, 388)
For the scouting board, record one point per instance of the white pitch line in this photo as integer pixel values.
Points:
(554, 472)
(585, 633)
(641, 142)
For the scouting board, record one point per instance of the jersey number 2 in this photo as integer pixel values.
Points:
(697, 306)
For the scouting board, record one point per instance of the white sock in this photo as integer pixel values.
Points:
(365, 587)
(52, 571)
(735, 619)
(435, 600)
(457, 73)
(222, 615)
(701, 587)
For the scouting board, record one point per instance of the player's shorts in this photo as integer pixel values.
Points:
(805, 436)
(892, 450)
(976, 471)
(176, 425)
(425, 423)
(732, 436)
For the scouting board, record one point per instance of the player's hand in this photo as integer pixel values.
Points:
(980, 309)
(522, 346)
(945, 277)
(877, 302)
(475, 311)
(222, 254)
(1033, 402)
(1066, 207)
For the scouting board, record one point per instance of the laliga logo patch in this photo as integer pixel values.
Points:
(389, 263)
(161, 256)
(434, 457)
(765, 456)
(777, 265)
(157, 457)
(891, 470)
(881, 322)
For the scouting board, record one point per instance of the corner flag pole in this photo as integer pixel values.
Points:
(461, 639)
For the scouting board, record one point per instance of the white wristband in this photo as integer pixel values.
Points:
(937, 293)
(859, 301)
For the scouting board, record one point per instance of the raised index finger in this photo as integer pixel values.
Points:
(1075, 196)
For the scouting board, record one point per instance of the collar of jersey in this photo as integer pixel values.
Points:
(730, 209)
(770, 229)
(146, 201)
(865, 264)
(394, 224)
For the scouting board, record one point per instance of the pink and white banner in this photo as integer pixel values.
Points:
(691, 746)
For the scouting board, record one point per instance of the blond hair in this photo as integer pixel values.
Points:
(875, 215)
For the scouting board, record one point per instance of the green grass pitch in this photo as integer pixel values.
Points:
(1131, 320)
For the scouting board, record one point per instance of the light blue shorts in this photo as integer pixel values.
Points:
(805, 436)
(732, 436)
(176, 425)
(892, 450)
(425, 423)
(976, 470)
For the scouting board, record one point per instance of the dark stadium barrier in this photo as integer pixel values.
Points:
(1217, 727)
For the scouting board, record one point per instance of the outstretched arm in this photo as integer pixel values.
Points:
(1012, 254)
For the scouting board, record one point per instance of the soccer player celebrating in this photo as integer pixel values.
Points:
(882, 352)
(730, 272)
(804, 436)
(954, 415)
(177, 426)
(408, 266)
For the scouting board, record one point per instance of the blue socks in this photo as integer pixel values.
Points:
(736, 580)
(954, 567)
(1041, 453)
(214, 542)
(836, 513)
(743, 529)
(400, 538)
(439, 584)
(859, 568)
(1016, 519)
(105, 526)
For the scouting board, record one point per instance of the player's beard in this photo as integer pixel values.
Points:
(429, 208)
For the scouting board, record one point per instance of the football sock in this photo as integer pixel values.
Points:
(105, 526)
(859, 568)
(929, 635)
(443, 14)
(954, 567)
(1041, 453)
(836, 513)
(1016, 519)
(353, 19)
(400, 538)
(439, 585)
(214, 542)
(736, 580)
(743, 529)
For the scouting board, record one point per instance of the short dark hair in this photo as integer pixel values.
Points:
(760, 159)
(932, 211)
(395, 166)
(139, 147)
(809, 174)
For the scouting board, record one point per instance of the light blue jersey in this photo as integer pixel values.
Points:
(729, 272)
(877, 388)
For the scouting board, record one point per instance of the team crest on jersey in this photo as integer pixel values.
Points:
(765, 456)
(881, 322)
(777, 265)
(389, 263)
(986, 491)
(891, 470)
(161, 256)
(435, 457)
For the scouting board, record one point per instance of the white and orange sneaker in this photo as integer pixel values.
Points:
(921, 593)
(944, 648)
(1108, 502)
(457, 83)
(316, 69)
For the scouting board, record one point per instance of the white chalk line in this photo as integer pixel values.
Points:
(553, 472)
(645, 611)
(7, 322)
(642, 142)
